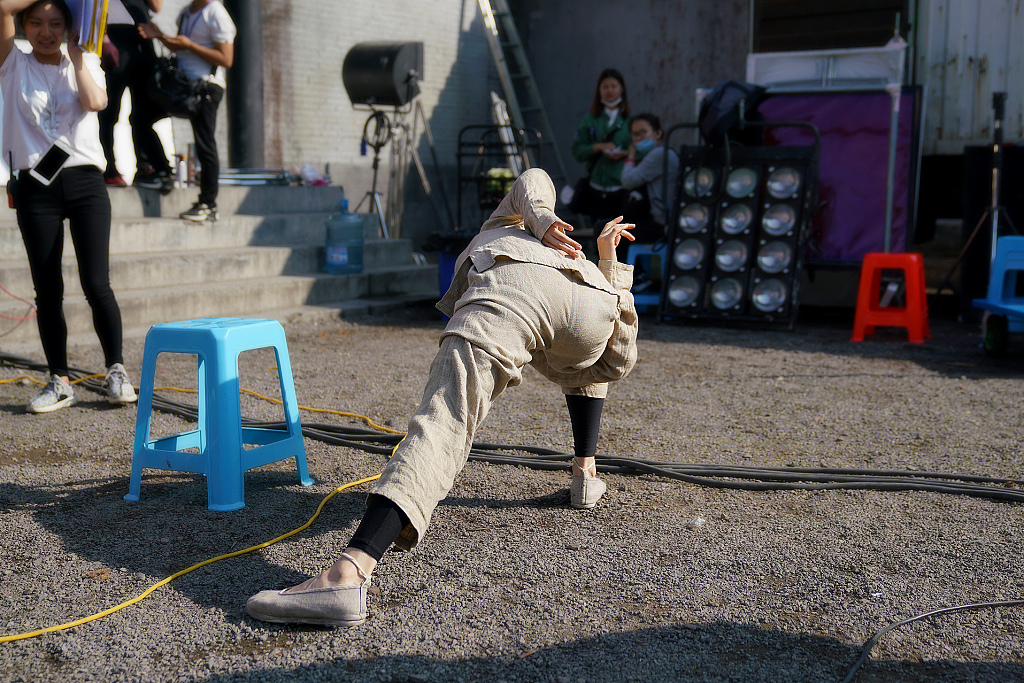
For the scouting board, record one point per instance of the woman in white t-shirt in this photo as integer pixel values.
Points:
(49, 117)
(205, 48)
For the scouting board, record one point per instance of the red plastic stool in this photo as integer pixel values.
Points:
(870, 314)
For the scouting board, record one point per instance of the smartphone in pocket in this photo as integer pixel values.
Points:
(50, 164)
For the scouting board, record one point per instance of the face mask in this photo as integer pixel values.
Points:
(645, 146)
(611, 105)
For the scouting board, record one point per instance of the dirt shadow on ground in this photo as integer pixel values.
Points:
(684, 653)
(954, 349)
(170, 528)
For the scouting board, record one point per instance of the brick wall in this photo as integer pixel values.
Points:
(665, 50)
(308, 117)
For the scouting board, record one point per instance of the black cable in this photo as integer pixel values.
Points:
(874, 639)
(723, 476)
(715, 476)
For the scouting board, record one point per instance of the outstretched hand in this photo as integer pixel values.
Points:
(613, 232)
(556, 238)
(176, 43)
(149, 31)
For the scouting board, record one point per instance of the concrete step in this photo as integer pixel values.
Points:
(148, 235)
(941, 252)
(264, 254)
(349, 308)
(130, 202)
(168, 269)
(141, 308)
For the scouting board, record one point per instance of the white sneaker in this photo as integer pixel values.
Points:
(119, 389)
(55, 395)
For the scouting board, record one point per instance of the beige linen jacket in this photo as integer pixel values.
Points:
(514, 232)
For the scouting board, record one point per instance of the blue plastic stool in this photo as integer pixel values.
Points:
(644, 300)
(220, 437)
(1001, 297)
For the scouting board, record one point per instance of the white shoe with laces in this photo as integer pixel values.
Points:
(119, 389)
(55, 395)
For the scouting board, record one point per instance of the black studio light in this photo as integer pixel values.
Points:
(740, 221)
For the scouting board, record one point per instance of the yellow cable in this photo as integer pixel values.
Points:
(33, 379)
(247, 391)
(141, 596)
(111, 610)
(280, 402)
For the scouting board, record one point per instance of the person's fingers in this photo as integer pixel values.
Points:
(568, 241)
(558, 236)
(566, 249)
(557, 240)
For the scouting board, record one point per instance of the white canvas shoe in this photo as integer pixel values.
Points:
(331, 606)
(585, 491)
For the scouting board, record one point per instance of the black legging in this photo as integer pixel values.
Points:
(384, 520)
(80, 195)
(204, 124)
(136, 63)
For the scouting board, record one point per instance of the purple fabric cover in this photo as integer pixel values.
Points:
(854, 131)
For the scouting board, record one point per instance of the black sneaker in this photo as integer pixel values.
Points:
(200, 212)
(160, 181)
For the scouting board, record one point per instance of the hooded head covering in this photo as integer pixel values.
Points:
(530, 203)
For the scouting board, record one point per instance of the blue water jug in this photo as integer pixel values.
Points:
(344, 250)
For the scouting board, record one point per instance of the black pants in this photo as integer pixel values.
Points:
(384, 520)
(204, 123)
(135, 65)
(79, 195)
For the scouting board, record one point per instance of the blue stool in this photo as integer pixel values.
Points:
(220, 437)
(1002, 281)
(649, 251)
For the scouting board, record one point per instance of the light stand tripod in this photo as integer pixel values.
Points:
(380, 137)
(995, 211)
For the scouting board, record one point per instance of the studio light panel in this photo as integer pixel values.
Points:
(738, 233)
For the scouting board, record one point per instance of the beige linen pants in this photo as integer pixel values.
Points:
(512, 314)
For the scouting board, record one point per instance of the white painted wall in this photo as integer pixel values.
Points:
(966, 50)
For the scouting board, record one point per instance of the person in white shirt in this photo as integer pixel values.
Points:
(205, 48)
(50, 104)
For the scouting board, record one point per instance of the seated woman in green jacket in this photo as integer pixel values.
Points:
(602, 141)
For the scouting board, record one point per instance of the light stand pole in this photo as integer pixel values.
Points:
(998, 113)
(380, 137)
(995, 210)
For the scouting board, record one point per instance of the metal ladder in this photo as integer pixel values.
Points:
(521, 95)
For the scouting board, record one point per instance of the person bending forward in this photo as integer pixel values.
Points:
(522, 293)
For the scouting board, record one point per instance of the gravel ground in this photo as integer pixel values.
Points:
(664, 581)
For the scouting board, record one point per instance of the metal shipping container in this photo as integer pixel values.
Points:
(966, 50)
